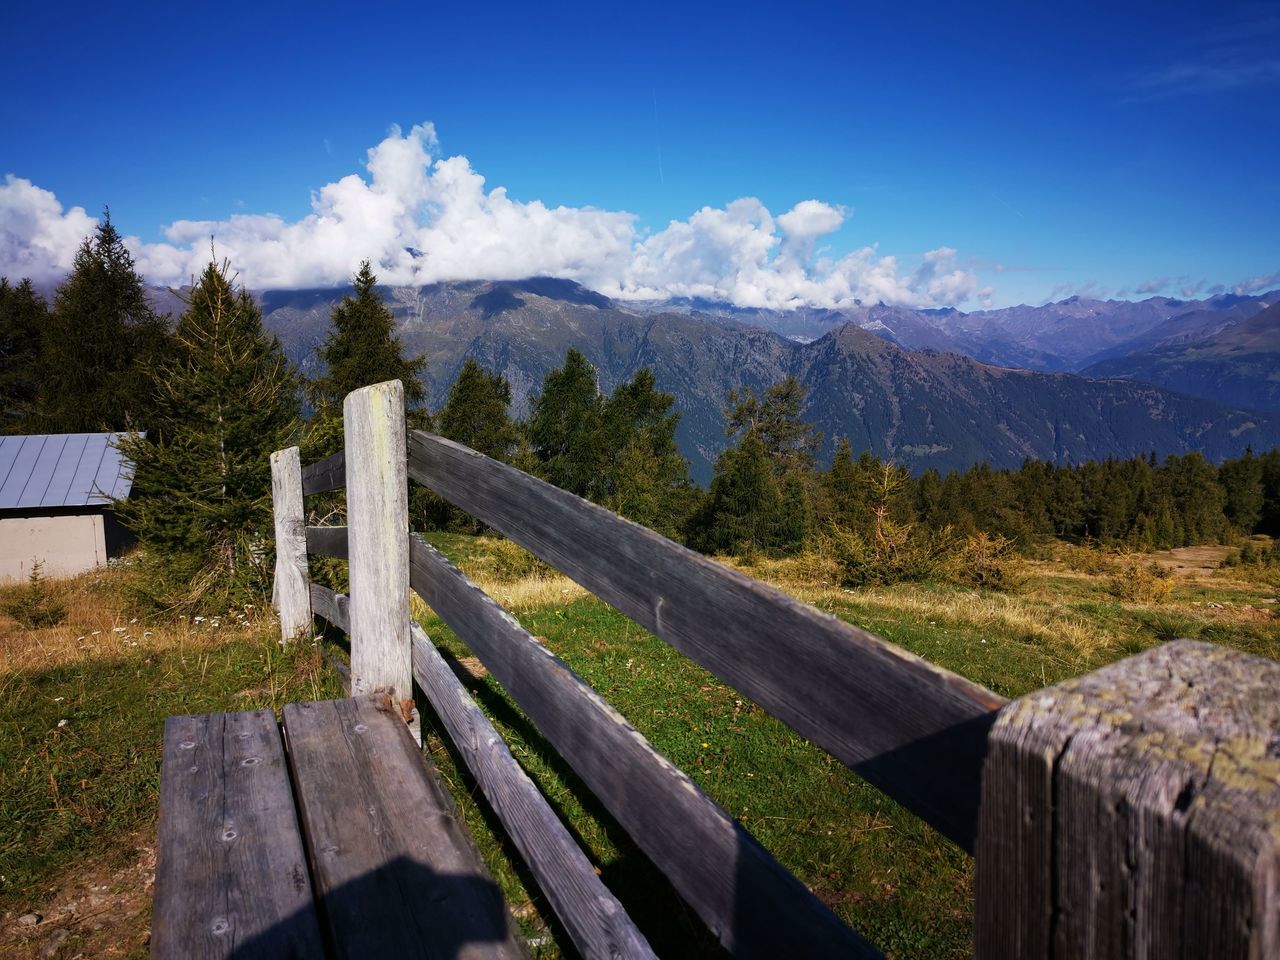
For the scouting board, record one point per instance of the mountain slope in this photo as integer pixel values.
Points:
(924, 408)
(1239, 364)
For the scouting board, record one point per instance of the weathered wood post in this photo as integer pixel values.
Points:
(291, 594)
(1135, 813)
(378, 544)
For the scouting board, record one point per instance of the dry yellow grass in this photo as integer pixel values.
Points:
(100, 625)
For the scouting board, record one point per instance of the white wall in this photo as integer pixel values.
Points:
(67, 545)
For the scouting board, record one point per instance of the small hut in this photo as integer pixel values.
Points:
(56, 492)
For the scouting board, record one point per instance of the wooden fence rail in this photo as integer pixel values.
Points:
(997, 778)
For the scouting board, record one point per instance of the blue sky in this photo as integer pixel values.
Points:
(1049, 151)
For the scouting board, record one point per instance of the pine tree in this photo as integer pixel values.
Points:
(201, 503)
(477, 412)
(23, 314)
(742, 509)
(564, 426)
(1241, 480)
(361, 349)
(100, 340)
(642, 475)
(1269, 521)
(774, 417)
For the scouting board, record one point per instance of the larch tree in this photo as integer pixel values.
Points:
(101, 338)
(201, 504)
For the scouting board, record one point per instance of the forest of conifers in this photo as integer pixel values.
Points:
(204, 400)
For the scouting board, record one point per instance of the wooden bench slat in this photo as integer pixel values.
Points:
(595, 920)
(231, 874)
(748, 900)
(395, 872)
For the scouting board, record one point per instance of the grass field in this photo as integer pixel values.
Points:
(79, 796)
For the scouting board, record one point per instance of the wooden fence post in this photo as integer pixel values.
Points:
(291, 594)
(1135, 813)
(378, 544)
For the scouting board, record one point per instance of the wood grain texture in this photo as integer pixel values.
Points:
(325, 475)
(1135, 813)
(289, 594)
(334, 607)
(596, 922)
(915, 730)
(231, 874)
(747, 899)
(395, 872)
(378, 539)
(327, 542)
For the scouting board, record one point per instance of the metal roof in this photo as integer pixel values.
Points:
(62, 470)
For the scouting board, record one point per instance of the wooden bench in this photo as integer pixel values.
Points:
(339, 841)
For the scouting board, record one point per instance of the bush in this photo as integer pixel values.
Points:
(987, 561)
(1139, 581)
(33, 607)
(1087, 558)
(900, 553)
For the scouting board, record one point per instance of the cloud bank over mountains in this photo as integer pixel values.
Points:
(423, 218)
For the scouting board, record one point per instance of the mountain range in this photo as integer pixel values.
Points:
(902, 383)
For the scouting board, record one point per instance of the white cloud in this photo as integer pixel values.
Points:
(1257, 284)
(1154, 285)
(38, 239)
(421, 219)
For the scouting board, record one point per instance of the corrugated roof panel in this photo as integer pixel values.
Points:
(9, 449)
(28, 450)
(65, 470)
(69, 469)
(107, 482)
(95, 450)
(42, 472)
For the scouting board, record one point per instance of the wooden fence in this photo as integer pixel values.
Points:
(1132, 812)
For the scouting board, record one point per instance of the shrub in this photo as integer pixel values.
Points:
(987, 561)
(1087, 558)
(1136, 580)
(33, 606)
(898, 553)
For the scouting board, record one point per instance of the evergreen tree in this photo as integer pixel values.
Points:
(100, 340)
(742, 509)
(762, 489)
(1241, 481)
(201, 503)
(642, 475)
(1269, 521)
(23, 314)
(565, 426)
(361, 349)
(477, 412)
(774, 417)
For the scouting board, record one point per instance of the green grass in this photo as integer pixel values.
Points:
(889, 876)
(80, 742)
(79, 791)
